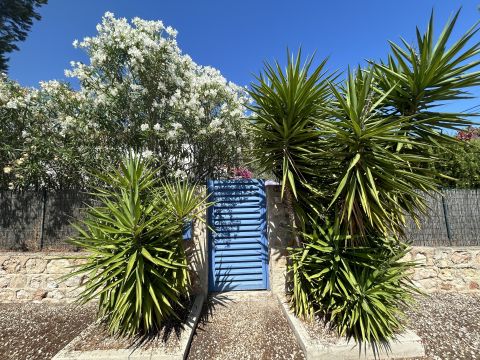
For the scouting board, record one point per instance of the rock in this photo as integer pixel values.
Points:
(23, 294)
(7, 295)
(11, 265)
(35, 282)
(18, 282)
(4, 281)
(58, 266)
(35, 265)
(473, 285)
(461, 257)
(39, 295)
(424, 273)
(427, 284)
(420, 258)
(445, 275)
(446, 286)
(52, 284)
(55, 294)
(74, 281)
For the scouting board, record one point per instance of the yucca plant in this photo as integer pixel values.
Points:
(287, 104)
(379, 183)
(360, 291)
(136, 264)
(361, 155)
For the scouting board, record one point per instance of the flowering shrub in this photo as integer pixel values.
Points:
(471, 133)
(242, 173)
(138, 92)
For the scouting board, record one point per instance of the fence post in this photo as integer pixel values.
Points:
(42, 227)
(447, 223)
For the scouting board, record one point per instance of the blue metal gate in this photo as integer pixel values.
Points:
(238, 248)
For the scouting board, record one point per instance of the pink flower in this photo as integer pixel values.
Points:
(242, 173)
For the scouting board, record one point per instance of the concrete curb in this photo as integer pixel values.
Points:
(137, 354)
(407, 345)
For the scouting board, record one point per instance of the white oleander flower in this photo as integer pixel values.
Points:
(144, 127)
(12, 104)
(147, 154)
(7, 169)
(157, 127)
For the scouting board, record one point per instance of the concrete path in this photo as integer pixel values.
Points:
(243, 325)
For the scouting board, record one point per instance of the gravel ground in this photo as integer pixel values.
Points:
(449, 325)
(38, 331)
(238, 326)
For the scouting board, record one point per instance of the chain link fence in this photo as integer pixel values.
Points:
(453, 220)
(35, 221)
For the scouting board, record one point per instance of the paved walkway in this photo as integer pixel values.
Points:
(243, 325)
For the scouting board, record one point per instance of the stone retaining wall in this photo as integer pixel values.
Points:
(35, 276)
(447, 268)
(32, 276)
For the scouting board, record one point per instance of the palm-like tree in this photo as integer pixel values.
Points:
(360, 151)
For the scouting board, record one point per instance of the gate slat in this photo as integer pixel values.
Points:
(238, 245)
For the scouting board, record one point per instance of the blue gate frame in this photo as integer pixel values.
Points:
(237, 245)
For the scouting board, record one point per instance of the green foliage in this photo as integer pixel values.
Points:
(137, 265)
(460, 163)
(378, 181)
(360, 152)
(359, 291)
(429, 73)
(16, 19)
(287, 104)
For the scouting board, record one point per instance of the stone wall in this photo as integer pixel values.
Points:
(35, 277)
(197, 251)
(444, 269)
(278, 228)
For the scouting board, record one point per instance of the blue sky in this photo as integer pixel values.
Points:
(237, 36)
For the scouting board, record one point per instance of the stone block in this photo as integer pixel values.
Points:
(424, 273)
(427, 284)
(74, 281)
(447, 286)
(477, 258)
(58, 266)
(7, 295)
(420, 258)
(55, 294)
(18, 281)
(445, 274)
(35, 265)
(52, 283)
(36, 281)
(4, 281)
(24, 294)
(11, 265)
(461, 257)
(39, 295)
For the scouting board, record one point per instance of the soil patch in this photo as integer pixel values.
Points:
(166, 339)
(31, 331)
